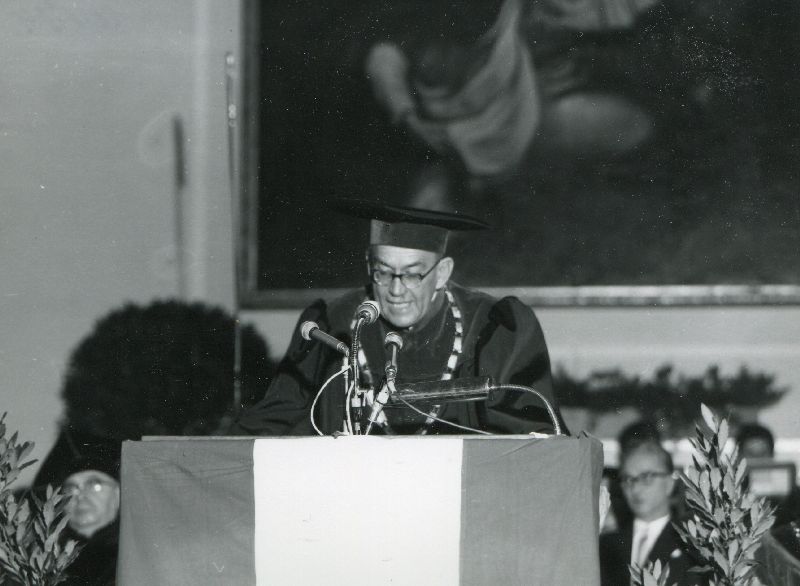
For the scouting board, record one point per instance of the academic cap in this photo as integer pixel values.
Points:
(408, 227)
(74, 452)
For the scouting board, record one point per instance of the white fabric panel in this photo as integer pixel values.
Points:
(357, 510)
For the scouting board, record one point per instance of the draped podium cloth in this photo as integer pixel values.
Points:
(502, 339)
(360, 510)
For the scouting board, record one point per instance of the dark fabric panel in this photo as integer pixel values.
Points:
(777, 564)
(529, 511)
(187, 513)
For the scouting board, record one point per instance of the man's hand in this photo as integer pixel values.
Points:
(604, 506)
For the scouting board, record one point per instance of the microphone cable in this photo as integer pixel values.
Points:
(440, 420)
(548, 406)
(319, 394)
(550, 411)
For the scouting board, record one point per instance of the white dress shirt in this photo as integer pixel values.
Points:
(645, 534)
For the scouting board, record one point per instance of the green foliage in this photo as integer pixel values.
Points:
(12, 457)
(652, 575)
(667, 396)
(727, 521)
(31, 549)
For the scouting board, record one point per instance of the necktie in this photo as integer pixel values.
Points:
(639, 555)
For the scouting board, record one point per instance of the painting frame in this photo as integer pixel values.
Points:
(252, 294)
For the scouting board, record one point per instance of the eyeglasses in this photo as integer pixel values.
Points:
(409, 280)
(645, 479)
(92, 485)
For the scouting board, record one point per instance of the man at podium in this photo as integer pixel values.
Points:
(314, 510)
(447, 332)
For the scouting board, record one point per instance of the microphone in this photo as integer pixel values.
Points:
(394, 343)
(368, 311)
(455, 390)
(310, 329)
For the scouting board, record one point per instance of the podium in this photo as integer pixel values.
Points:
(360, 510)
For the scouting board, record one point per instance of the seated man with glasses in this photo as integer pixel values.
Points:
(648, 482)
(94, 503)
(448, 332)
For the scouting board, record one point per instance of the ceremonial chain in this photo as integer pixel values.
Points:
(449, 368)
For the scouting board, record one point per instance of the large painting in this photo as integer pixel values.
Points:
(621, 150)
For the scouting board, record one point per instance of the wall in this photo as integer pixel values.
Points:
(91, 212)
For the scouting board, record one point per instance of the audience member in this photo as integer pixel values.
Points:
(757, 444)
(755, 441)
(631, 436)
(637, 433)
(648, 482)
(162, 369)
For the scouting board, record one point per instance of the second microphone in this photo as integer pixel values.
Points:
(310, 330)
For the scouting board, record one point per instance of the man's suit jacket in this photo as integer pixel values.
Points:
(615, 555)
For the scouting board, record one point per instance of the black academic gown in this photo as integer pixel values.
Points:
(502, 339)
(615, 555)
(96, 564)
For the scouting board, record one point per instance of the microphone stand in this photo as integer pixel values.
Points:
(394, 342)
(377, 415)
(346, 380)
(357, 398)
(366, 313)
